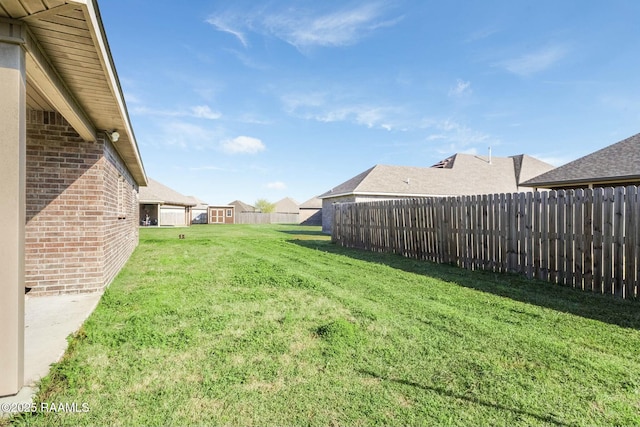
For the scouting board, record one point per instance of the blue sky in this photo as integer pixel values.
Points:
(251, 99)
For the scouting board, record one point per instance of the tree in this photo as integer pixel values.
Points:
(264, 206)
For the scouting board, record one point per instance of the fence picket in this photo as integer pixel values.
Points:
(543, 213)
(587, 232)
(578, 239)
(598, 196)
(629, 243)
(553, 236)
(618, 242)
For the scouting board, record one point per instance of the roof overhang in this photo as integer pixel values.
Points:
(165, 203)
(70, 69)
(596, 182)
(376, 194)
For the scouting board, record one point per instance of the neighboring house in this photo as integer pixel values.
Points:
(460, 174)
(311, 212)
(615, 165)
(222, 214)
(241, 207)
(69, 163)
(200, 212)
(163, 206)
(286, 205)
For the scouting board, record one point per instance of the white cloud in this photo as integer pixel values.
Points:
(535, 62)
(198, 112)
(222, 24)
(341, 28)
(326, 108)
(186, 135)
(247, 61)
(460, 89)
(304, 28)
(206, 168)
(204, 112)
(366, 115)
(481, 34)
(277, 185)
(453, 137)
(294, 101)
(243, 145)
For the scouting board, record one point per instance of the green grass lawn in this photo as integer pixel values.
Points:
(274, 325)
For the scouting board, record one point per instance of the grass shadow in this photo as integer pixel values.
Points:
(304, 232)
(547, 419)
(604, 308)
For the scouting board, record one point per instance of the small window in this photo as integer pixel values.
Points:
(229, 213)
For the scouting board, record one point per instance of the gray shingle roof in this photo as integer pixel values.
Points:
(616, 162)
(155, 192)
(463, 174)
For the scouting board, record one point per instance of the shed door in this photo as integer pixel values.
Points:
(216, 216)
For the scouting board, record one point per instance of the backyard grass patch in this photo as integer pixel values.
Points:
(274, 325)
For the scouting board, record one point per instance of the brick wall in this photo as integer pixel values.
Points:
(76, 238)
(327, 211)
(121, 214)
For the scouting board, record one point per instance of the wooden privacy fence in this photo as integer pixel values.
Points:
(266, 218)
(588, 239)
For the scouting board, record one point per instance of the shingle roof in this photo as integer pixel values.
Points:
(458, 175)
(242, 206)
(287, 205)
(312, 203)
(616, 162)
(155, 192)
(200, 204)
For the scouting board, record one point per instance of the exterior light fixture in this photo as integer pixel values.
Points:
(113, 135)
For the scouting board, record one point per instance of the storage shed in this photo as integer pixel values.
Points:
(222, 214)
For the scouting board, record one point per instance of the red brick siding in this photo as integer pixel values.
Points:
(74, 243)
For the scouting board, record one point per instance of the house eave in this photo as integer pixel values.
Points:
(381, 194)
(57, 73)
(576, 182)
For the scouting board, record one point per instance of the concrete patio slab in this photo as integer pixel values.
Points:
(49, 320)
